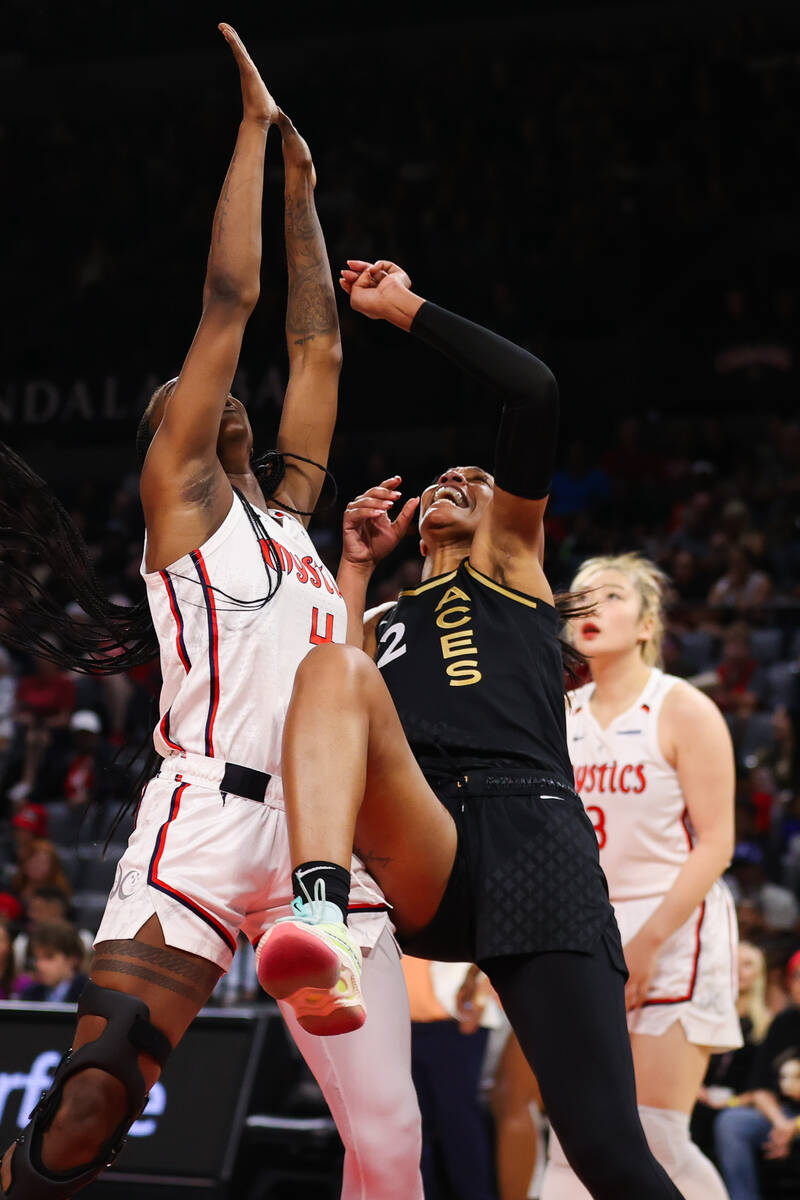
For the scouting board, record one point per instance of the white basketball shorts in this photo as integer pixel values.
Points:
(210, 864)
(696, 977)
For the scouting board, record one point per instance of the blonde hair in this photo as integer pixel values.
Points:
(757, 1009)
(649, 581)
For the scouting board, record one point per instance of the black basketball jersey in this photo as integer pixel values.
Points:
(475, 672)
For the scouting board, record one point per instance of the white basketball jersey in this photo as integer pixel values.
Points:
(228, 667)
(630, 792)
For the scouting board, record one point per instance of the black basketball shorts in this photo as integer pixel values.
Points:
(526, 878)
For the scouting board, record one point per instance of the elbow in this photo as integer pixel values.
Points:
(223, 290)
(538, 388)
(321, 355)
(546, 386)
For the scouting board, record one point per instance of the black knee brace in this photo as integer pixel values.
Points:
(128, 1032)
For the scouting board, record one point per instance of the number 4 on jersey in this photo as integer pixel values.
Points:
(318, 638)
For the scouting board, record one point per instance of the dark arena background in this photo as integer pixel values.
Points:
(614, 186)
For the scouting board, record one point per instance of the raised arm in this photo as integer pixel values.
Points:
(509, 540)
(182, 469)
(312, 332)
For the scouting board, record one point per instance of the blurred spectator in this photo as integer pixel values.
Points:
(737, 672)
(58, 957)
(45, 701)
(10, 909)
(742, 588)
(82, 771)
(8, 692)
(771, 1126)
(27, 825)
(47, 903)
(748, 882)
(447, 1052)
(695, 523)
(580, 484)
(11, 984)
(41, 868)
(728, 1075)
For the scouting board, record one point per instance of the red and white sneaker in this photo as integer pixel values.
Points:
(311, 961)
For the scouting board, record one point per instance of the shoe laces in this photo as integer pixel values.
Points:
(314, 909)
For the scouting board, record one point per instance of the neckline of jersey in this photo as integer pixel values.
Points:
(637, 703)
(514, 593)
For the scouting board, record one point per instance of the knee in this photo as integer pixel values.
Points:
(388, 1146)
(334, 661)
(92, 1107)
(611, 1166)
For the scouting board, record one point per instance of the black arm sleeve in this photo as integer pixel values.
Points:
(526, 441)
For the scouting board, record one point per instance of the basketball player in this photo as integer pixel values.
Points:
(447, 764)
(654, 767)
(238, 596)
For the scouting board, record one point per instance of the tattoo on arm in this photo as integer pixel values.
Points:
(311, 308)
(224, 200)
(169, 969)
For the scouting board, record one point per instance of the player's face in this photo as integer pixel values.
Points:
(235, 439)
(616, 626)
(453, 504)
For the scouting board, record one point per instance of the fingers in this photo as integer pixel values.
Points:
(406, 515)
(236, 44)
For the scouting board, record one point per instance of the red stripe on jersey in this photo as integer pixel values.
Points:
(213, 649)
(164, 727)
(180, 642)
(154, 881)
(695, 965)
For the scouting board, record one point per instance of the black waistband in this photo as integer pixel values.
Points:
(245, 781)
(501, 778)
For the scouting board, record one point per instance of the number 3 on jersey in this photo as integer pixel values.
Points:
(394, 636)
(598, 818)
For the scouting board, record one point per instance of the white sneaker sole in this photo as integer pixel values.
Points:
(304, 970)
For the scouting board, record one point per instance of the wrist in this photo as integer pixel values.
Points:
(299, 177)
(402, 306)
(357, 568)
(652, 936)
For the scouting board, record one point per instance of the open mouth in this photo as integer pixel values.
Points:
(589, 629)
(451, 494)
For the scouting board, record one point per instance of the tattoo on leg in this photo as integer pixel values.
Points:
(166, 968)
(371, 860)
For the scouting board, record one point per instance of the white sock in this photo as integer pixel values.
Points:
(560, 1181)
(667, 1133)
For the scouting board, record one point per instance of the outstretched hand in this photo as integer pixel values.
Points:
(368, 533)
(379, 290)
(257, 102)
(296, 154)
